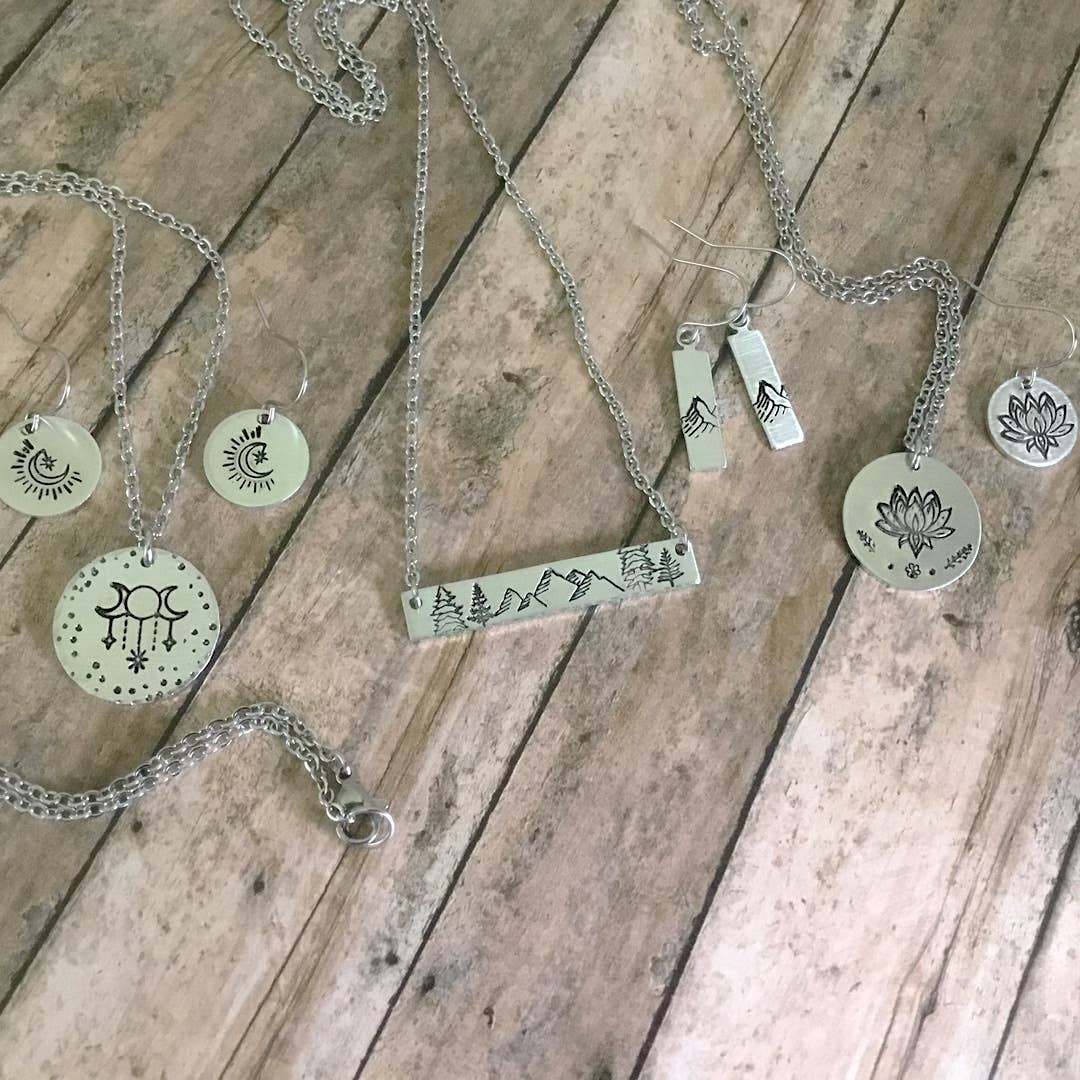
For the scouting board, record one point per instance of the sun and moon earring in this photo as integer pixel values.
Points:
(698, 410)
(259, 457)
(1030, 419)
(48, 465)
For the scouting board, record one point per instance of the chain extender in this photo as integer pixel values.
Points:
(361, 819)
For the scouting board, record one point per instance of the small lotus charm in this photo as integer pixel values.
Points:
(1038, 423)
(915, 519)
(1032, 421)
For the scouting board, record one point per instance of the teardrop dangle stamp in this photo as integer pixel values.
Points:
(132, 632)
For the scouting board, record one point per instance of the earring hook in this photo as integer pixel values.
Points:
(271, 409)
(751, 305)
(34, 418)
(1073, 343)
(688, 332)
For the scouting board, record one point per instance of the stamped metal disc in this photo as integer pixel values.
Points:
(1032, 421)
(915, 529)
(252, 462)
(50, 470)
(131, 633)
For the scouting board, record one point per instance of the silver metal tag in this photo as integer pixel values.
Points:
(255, 461)
(915, 529)
(48, 468)
(700, 418)
(765, 387)
(480, 603)
(1032, 421)
(131, 633)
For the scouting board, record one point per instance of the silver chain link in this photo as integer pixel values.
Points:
(110, 201)
(920, 273)
(360, 818)
(426, 33)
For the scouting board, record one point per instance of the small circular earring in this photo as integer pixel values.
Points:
(48, 465)
(1030, 419)
(259, 457)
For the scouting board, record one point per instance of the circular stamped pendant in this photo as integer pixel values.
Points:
(131, 633)
(915, 529)
(254, 462)
(48, 469)
(1032, 421)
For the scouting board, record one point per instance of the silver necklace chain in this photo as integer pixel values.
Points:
(360, 818)
(427, 33)
(110, 200)
(920, 273)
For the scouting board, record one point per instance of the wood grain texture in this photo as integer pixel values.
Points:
(914, 819)
(568, 793)
(25, 23)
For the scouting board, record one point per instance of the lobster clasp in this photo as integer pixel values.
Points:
(366, 820)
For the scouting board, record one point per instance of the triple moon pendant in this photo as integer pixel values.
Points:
(50, 469)
(915, 529)
(131, 633)
(1032, 421)
(252, 460)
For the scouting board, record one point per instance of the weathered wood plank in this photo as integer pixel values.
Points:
(1044, 1040)
(556, 946)
(891, 881)
(25, 22)
(291, 237)
(451, 734)
(480, 718)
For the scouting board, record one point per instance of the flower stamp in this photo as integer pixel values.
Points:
(914, 519)
(1036, 423)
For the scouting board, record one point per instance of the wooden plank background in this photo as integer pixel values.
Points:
(786, 825)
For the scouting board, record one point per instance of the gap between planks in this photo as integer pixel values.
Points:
(11, 68)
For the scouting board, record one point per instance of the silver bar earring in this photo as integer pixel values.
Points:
(766, 389)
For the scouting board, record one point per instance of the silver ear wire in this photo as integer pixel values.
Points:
(688, 332)
(758, 305)
(1033, 307)
(33, 418)
(271, 408)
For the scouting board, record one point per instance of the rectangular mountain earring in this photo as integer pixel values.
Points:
(768, 394)
(1030, 419)
(259, 457)
(699, 415)
(48, 465)
(908, 519)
